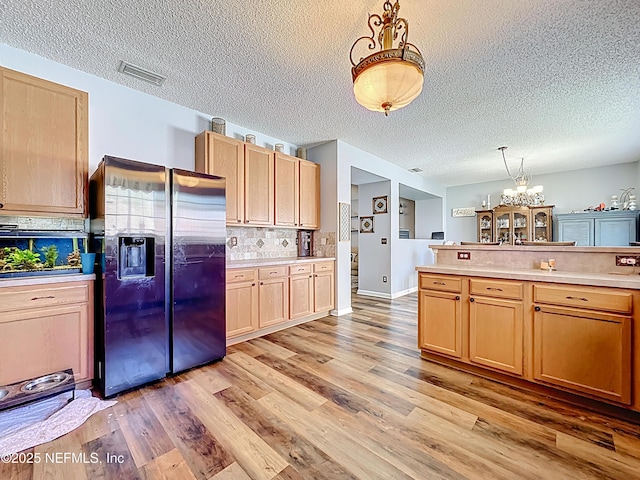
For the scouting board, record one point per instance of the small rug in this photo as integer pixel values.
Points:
(34, 424)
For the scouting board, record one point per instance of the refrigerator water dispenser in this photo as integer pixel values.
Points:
(136, 255)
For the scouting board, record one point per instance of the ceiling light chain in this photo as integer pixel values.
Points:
(392, 77)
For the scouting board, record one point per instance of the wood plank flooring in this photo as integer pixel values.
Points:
(340, 398)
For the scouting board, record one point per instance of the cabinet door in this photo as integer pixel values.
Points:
(258, 186)
(224, 156)
(541, 222)
(615, 231)
(578, 230)
(301, 296)
(584, 351)
(309, 194)
(287, 190)
(496, 333)
(440, 322)
(44, 147)
(485, 226)
(242, 308)
(273, 299)
(323, 291)
(52, 339)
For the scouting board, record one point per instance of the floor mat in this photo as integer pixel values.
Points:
(30, 425)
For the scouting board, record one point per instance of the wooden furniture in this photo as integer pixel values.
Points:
(485, 225)
(49, 324)
(515, 225)
(264, 188)
(224, 156)
(241, 301)
(578, 339)
(615, 228)
(44, 147)
(265, 299)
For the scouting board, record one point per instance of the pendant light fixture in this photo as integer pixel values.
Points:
(392, 77)
(522, 195)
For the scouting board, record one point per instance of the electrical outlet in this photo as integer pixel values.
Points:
(464, 255)
(384, 279)
(234, 241)
(627, 260)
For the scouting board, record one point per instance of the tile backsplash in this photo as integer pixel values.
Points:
(250, 243)
(37, 223)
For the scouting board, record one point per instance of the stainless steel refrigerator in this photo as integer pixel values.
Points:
(159, 235)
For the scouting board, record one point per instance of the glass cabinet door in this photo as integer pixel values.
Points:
(520, 227)
(503, 227)
(485, 226)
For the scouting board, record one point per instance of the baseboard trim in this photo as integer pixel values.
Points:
(369, 293)
(344, 311)
(404, 292)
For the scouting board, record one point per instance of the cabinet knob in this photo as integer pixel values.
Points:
(239, 221)
(253, 284)
(472, 299)
(1, 205)
(457, 297)
(261, 283)
(536, 308)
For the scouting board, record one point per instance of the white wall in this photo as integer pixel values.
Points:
(407, 220)
(374, 258)
(573, 190)
(429, 217)
(127, 123)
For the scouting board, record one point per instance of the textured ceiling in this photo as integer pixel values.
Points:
(558, 81)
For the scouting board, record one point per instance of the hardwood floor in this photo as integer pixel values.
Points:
(341, 398)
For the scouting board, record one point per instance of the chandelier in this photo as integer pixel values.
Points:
(392, 77)
(522, 196)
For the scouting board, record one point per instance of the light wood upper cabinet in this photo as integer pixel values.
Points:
(258, 186)
(309, 195)
(44, 147)
(287, 190)
(224, 156)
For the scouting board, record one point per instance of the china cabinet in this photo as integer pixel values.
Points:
(514, 225)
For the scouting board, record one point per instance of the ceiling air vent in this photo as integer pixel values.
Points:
(141, 73)
(415, 170)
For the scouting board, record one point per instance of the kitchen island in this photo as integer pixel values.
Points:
(567, 332)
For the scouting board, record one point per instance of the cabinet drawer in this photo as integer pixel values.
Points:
(592, 298)
(272, 272)
(241, 275)
(440, 282)
(496, 288)
(36, 296)
(323, 267)
(300, 269)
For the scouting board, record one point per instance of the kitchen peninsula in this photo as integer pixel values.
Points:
(567, 332)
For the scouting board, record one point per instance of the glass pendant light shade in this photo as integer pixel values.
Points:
(392, 77)
(388, 85)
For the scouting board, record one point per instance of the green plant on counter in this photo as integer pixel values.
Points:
(16, 259)
(50, 255)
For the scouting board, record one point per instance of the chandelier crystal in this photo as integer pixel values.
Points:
(392, 77)
(522, 196)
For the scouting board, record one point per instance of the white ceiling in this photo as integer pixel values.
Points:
(558, 81)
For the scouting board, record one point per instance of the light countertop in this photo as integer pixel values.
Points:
(45, 279)
(264, 262)
(631, 280)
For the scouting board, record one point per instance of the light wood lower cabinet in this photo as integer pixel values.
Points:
(496, 333)
(573, 338)
(242, 308)
(49, 329)
(440, 325)
(262, 298)
(585, 351)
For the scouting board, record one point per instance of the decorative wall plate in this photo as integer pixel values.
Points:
(366, 224)
(380, 204)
